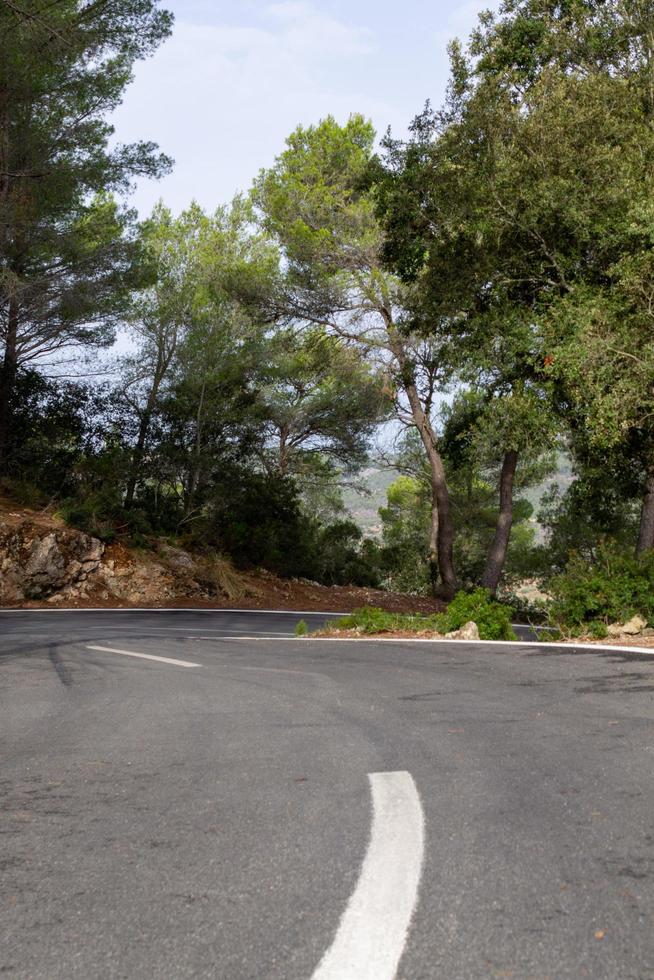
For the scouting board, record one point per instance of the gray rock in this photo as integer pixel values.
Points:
(59, 563)
(176, 556)
(469, 631)
(37, 563)
(635, 625)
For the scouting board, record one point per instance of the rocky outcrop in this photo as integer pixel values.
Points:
(45, 563)
(146, 580)
(59, 564)
(36, 563)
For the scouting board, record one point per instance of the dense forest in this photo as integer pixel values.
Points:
(464, 306)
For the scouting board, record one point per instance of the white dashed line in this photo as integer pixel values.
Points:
(145, 656)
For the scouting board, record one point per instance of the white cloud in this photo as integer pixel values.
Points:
(222, 98)
(460, 22)
(309, 30)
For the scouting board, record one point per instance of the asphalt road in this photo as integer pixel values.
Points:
(274, 807)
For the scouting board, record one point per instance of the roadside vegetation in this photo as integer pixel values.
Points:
(492, 619)
(614, 588)
(484, 289)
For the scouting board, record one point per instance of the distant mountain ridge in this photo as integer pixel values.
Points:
(364, 507)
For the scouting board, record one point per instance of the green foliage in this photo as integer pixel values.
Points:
(504, 251)
(492, 618)
(405, 524)
(24, 493)
(182, 446)
(371, 620)
(342, 557)
(320, 403)
(597, 630)
(601, 503)
(521, 216)
(69, 254)
(96, 515)
(257, 519)
(313, 199)
(301, 628)
(53, 432)
(472, 461)
(318, 202)
(611, 589)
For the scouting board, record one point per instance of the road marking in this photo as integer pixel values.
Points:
(227, 634)
(183, 609)
(147, 630)
(515, 644)
(509, 645)
(273, 670)
(146, 656)
(373, 930)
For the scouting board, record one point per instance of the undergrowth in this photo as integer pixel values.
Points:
(612, 589)
(492, 618)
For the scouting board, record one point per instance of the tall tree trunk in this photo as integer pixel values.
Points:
(497, 551)
(194, 482)
(163, 362)
(282, 467)
(137, 456)
(433, 545)
(646, 531)
(440, 495)
(8, 373)
(442, 527)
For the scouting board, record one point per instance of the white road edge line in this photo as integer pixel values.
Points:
(145, 656)
(180, 609)
(374, 927)
(235, 633)
(509, 644)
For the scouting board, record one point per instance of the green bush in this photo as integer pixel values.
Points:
(611, 589)
(102, 515)
(370, 619)
(492, 618)
(98, 514)
(598, 630)
(24, 493)
(342, 556)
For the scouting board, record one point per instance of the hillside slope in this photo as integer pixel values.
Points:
(44, 563)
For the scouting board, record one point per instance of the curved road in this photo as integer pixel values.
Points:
(292, 809)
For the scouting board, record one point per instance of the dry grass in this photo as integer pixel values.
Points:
(221, 575)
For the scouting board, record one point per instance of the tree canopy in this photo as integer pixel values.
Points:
(482, 289)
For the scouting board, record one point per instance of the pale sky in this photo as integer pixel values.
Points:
(223, 93)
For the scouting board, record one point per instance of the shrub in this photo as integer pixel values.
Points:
(24, 493)
(257, 520)
(96, 515)
(611, 589)
(301, 628)
(370, 619)
(492, 618)
(598, 630)
(343, 557)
